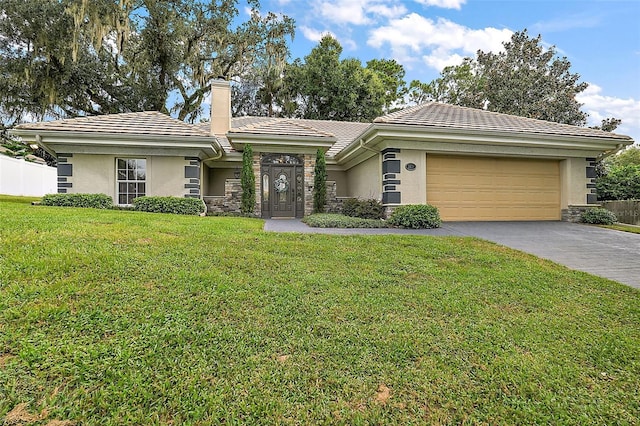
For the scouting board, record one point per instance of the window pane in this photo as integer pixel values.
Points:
(130, 198)
(131, 164)
(131, 188)
(141, 164)
(122, 187)
(122, 199)
(122, 164)
(141, 189)
(122, 175)
(265, 187)
(140, 175)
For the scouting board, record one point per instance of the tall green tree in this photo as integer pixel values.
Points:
(459, 85)
(76, 57)
(248, 182)
(391, 75)
(320, 183)
(326, 87)
(526, 79)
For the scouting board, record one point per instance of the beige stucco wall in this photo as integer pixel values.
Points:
(365, 179)
(413, 184)
(95, 173)
(573, 182)
(342, 184)
(165, 176)
(214, 180)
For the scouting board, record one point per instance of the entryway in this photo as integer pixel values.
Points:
(282, 186)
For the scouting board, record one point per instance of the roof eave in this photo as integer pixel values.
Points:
(381, 131)
(239, 140)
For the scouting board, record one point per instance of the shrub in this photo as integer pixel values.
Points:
(598, 216)
(365, 209)
(248, 181)
(621, 183)
(174, 205)
(332, 220)
(416, 216)
(96, 201)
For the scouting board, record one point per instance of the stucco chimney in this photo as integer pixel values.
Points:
(220, 107)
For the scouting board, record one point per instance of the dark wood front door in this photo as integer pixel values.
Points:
(282, 183)
(283, 200)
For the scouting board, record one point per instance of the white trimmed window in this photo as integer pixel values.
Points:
(131, 174)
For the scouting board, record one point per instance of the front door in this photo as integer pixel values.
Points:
(282, 186)
(283, 202)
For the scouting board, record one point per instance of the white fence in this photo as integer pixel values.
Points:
(19, 177)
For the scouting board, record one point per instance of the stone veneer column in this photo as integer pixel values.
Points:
(309, 176)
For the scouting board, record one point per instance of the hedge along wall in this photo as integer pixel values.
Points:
(627, 211)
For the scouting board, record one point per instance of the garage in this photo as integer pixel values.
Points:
(492, 189)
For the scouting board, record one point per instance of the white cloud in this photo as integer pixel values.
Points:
(359, 12)
(446, 4)
(438, 43)
(313, 34)
(599, 106)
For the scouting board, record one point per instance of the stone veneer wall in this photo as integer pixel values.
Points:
(309, 176)
(573, 213)
(334, 203)
(230, 202)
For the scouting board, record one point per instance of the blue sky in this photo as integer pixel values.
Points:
(601, 39)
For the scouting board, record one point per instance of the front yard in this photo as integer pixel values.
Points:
(118, 317)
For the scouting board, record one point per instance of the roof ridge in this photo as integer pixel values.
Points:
(304, 126)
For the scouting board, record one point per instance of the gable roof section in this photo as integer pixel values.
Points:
(435, 114)
(148, 123)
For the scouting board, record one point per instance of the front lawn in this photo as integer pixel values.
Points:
(121, 317)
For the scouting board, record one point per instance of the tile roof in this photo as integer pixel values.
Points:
(281, 126)
(434, 114)
(343, 131)
(149, 123)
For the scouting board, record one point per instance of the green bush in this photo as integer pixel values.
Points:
(174, 205)
(415, 216)
(365, 209)
(598, 216)
(332, 220)
(621, 183)
(96, 201)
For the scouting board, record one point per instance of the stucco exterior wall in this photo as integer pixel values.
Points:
(341, 181)
(413, 183)
(573, 182)
(93, 173)
(96, 173)
(365, 179)
(215, 180)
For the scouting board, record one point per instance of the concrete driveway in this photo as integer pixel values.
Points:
(603, 252)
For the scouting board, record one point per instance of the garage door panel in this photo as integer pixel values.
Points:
(482, 188)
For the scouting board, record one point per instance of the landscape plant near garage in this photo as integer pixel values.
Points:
(122, 317)
(415, 216)
(598, 216)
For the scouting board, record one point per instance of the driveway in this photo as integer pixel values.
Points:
(598, 251)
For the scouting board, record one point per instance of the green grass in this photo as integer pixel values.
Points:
(120, 317)
(635, 229)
